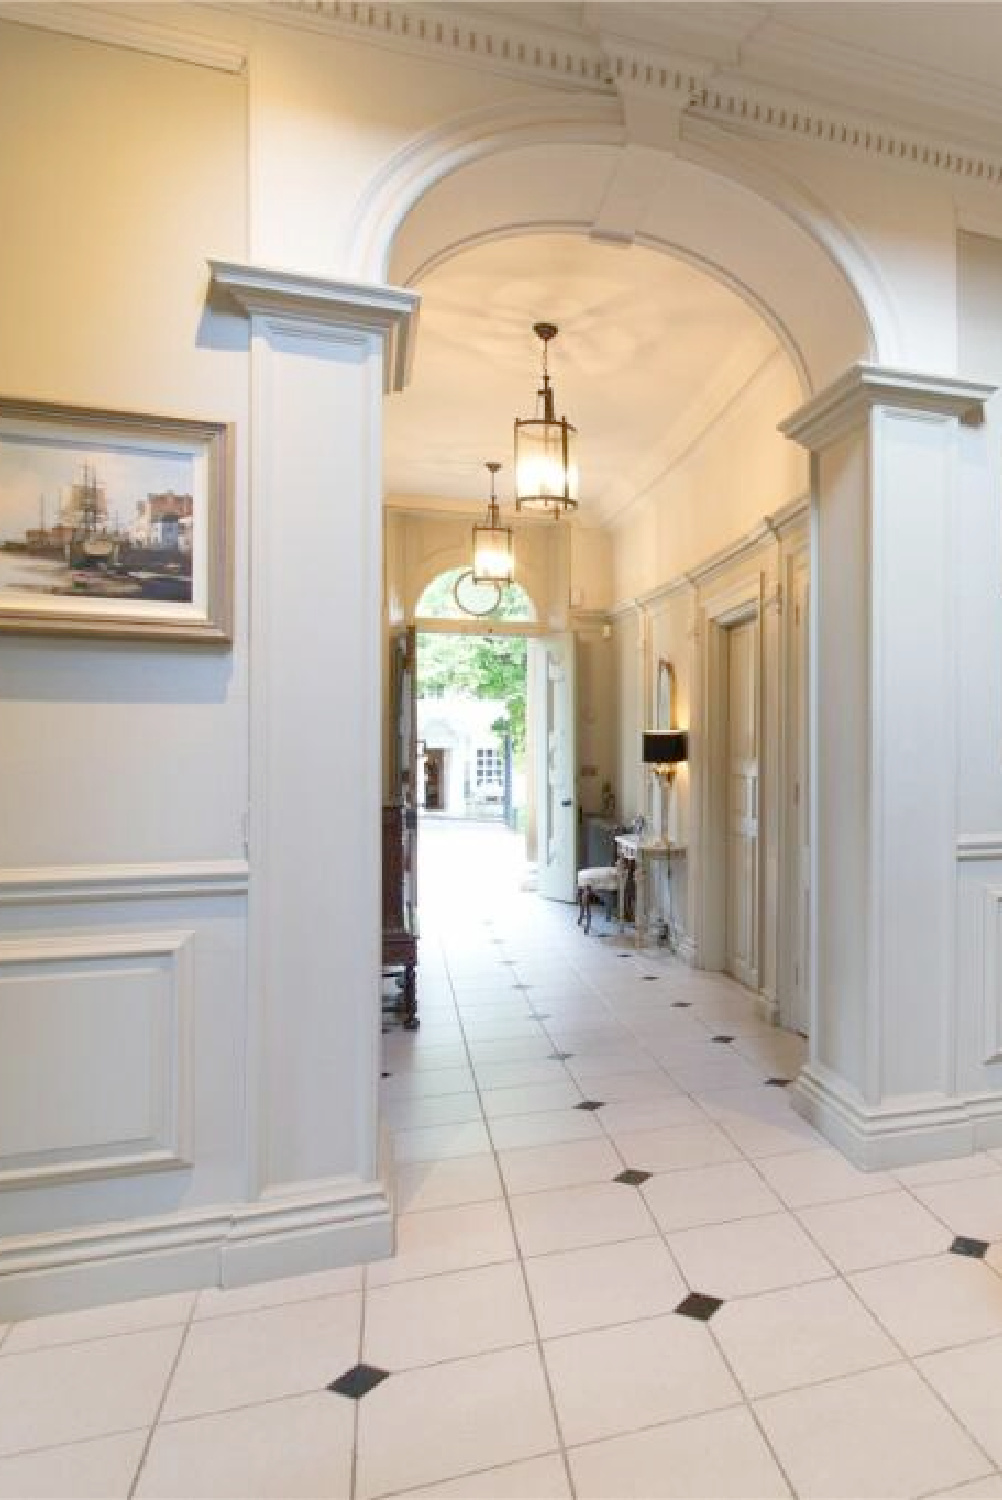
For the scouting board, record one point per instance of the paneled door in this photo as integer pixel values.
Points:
(555, 696)
(742, 803)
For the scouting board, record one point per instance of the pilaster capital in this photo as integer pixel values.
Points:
(389, 311)
(847, 402)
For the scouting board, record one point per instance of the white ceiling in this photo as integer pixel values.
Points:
(649, 352)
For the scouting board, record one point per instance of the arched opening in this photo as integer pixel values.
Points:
(439, 599)
(695, 312)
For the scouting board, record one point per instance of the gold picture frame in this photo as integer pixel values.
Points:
(115, 524)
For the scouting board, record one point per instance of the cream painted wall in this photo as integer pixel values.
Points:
(978, 565)
(126, 168)
(740, 470)
(126, 171)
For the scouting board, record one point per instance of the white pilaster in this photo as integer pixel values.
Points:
(881, 1082)
(322, 354)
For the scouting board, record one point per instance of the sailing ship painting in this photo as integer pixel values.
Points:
(89, 539)
(115, 523)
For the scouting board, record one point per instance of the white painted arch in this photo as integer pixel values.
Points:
(554, 165)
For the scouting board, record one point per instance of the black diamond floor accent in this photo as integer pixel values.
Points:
(681, 1005)
(358, 1381)
(723, 1039)
(964, 1245)
(779, 1083)
(650, 978)
(590, 1104)
(632, 1177)
(386, 1075)
(559, 1056)
(698, 1305)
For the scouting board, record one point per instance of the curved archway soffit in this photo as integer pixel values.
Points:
(407, 176)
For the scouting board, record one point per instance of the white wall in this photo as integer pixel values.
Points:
(127, 169)
(978, 565)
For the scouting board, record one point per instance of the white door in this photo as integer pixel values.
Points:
(555, 701)
(800, 1009)
(742, 802)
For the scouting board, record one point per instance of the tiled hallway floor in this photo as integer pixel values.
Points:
(625, 1268)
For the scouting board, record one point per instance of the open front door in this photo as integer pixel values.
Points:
(555, 699)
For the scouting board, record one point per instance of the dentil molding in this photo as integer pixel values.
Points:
(389, 311)
(841, 407)
(694, 81)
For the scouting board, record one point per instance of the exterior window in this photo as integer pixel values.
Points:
(489, 767)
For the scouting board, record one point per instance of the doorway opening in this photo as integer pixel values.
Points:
(471, 723)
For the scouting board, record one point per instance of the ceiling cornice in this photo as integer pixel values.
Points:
(117, 28)
(686, 78)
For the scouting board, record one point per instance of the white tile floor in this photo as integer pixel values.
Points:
(528, 1321)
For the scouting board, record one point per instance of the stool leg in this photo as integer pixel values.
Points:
(588, 901)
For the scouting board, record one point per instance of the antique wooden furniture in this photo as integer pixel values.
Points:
(399, 912)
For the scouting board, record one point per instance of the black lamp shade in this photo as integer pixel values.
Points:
(666, 748)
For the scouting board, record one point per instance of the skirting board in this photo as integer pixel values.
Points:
(896, 1134)
(340, 1223)
(767, 1008)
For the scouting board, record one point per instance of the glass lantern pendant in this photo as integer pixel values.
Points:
(493, 548)
(546, 469)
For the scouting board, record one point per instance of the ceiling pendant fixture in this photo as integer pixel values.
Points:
(493, 547)
(546, 469)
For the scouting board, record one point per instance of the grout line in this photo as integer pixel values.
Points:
(356, 1416)
(163, 1399)
(528, 1294)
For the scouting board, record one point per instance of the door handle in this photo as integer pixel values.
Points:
(567, 802)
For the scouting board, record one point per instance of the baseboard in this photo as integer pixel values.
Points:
(899, 1133)
(336, 1223)
(767, 1007)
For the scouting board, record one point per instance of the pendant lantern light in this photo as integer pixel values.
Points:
(493, 547)
(546, 469)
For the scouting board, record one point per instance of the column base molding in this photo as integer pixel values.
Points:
(336, 1223)
(767, 1007)
(899, 1133)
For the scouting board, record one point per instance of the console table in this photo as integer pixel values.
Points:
(637, 855)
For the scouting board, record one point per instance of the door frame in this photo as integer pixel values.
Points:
(738, 604)
(795, 725)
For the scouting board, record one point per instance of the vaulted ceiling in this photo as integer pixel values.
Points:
(650, 352)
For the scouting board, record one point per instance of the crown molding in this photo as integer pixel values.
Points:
(781, 53)
(686, 79)
(117, 28)
(842, 407)
(387, 310)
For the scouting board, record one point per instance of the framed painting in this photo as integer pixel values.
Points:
(114, 524)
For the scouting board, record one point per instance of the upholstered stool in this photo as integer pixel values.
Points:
(590, 882)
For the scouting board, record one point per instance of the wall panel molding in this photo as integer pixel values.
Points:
(95, 1066)
(979, 846)
(52, 885)
(991, 1012)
